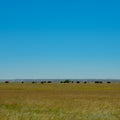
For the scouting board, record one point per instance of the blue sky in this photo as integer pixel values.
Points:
(59, 39)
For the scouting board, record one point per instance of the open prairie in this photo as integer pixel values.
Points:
(59, 101)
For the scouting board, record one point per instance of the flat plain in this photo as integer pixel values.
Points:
(59, 101)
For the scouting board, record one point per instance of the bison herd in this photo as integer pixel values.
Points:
(67, 81)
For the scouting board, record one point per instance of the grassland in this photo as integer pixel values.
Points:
(57, 101)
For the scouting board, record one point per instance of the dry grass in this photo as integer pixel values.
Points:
(59, 101)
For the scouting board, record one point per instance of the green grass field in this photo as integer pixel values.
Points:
(59, 101)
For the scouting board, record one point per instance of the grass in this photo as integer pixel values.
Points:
(59, 101)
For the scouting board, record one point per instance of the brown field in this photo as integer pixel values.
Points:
(59, 101)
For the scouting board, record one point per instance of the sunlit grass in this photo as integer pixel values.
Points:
(59, 101)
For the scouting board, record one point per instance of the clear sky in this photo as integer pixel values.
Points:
(59, 39)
